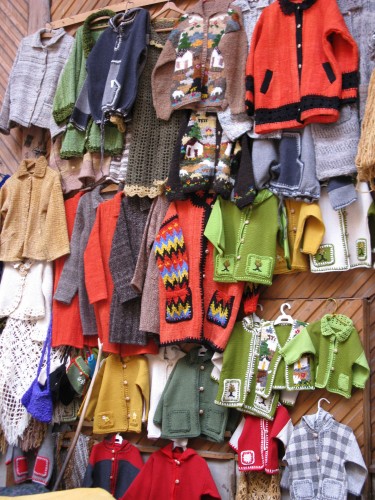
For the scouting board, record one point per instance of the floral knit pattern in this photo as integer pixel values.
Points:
(172, 263)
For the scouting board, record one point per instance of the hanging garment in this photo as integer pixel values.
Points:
(186, 408)
(33, 80)
(258, 485)
(294, 74)
(150, 154)
(175, 475)
(193, 308)
(33, 223)
(256, 441)
(113, 466)
(339, 359)
(331, 465)
(160, 367)
(120, 395)
(202, 64)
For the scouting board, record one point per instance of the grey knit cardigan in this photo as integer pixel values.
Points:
(72, 279)
(126, 302)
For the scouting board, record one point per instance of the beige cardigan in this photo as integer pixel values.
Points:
(33, 222)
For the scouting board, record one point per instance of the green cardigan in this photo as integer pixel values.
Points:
(186, 408)
(77, 142)
(339, 356)
(244, 239)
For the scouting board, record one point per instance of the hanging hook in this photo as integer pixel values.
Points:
(260, 306)
(283, 306)
(320, 400)
(331, 299)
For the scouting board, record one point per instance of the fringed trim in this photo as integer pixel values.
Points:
(143, 191)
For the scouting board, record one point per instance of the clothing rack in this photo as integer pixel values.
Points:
(79, 18)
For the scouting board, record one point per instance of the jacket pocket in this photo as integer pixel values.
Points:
(179, 421)
(105, 420)
(303, 489)
(266, 81)
(220, 308)
(178, 306)
(329, 72)
(332, 489)
(343, 382)
(214, 420)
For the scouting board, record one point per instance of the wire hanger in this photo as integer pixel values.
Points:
(331, 299)
(320, 402)
(118, 438)
(283, 318)
(169, 6)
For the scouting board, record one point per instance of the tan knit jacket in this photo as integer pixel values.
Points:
(33, 223)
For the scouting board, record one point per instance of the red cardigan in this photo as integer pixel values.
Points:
(172, 475)
(302, 65)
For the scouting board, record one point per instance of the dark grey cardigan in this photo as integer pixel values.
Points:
(126, 243)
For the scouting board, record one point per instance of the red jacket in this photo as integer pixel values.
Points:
(172, 475)
(302, 65)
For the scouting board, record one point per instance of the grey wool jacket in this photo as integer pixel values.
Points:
(72, 279)
(126, 243)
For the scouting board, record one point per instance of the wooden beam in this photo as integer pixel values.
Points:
(118, 7)
(39, 15)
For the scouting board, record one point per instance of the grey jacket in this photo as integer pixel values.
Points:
(72, 279)
(126, 302)
(359, 16)
(33, 81)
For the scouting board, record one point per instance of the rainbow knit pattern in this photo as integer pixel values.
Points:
(171, 258)
(220, 309)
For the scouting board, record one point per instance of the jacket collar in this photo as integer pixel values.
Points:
(346, 6)
(36, 168)
(208, 8)
(319, 421)
(88, 41)
(194, 358)
(338, 325)
(181, 457)
(97, 198)
(247, 5)
(36, 38)
(169, 353)
(288, 7)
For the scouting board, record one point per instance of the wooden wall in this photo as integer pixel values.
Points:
(306, 292)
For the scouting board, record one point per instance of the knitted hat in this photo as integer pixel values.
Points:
(78, 374)
(341, 192)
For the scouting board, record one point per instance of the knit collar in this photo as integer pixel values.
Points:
(210, 7)
(88, 40)
(111, 444)
(319, 421)
(172, 454)
(288, 7)
(247, 5)
(96, 197)
(194, 358)
(38, 42)
(338, 325)
(262, 196)
(34, 167)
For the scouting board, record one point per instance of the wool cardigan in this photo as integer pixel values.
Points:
(244, 240)
(173, 475)
(126, 302)
(120, 395)
(339, 358)
(203, 62)
(33, 222)
(33, 80)
(193, 308)
(256, 441)
(323, 460)
(160, 368)
(72, 279)
(186, 408)
(302, 65)
(112, 466)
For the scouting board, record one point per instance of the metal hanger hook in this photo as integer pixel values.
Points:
(320, 401)
(260, 306)
(283, 306)
(331, 299)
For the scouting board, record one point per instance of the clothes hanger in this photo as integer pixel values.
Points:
(202, 351)
(47, 33)
(169, 6)
(180, 443)
(99, 23)
(253, 317)
(320, 402)
(337, 317)
(283, 318)
(118, 438)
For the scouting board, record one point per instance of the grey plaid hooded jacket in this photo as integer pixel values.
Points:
(324, 460)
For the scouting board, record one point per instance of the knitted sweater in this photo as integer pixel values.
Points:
(120, 395)
(244, 240)
(193, 308)
(33, 81)
(296, 72)
(33, 223)
(186, 408)
(150, 154)
(339, 357)
(202, 64)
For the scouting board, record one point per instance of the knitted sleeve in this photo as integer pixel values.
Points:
(5, 110)
(69, 279)
(95, 280)
(355, 467)
(249, 82)
(209, 488)
(300, 344)
(56, 234)
(162, 77)
(342, 53)
(310, 230)
(233, 47)
(172, 262)
(361, 371)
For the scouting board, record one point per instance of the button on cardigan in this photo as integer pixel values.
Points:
(33, 223)
(302, 65)
(33, 81)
